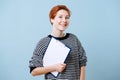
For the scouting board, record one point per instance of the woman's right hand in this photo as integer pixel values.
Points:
(59, 67)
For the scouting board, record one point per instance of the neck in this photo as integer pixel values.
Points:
(57, 34)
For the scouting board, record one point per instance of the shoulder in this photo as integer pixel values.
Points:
(43, 41)
(41, 45)
(72, 35)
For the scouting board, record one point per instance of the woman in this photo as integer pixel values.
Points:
(74, 66)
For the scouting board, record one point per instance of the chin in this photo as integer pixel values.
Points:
(63, 29)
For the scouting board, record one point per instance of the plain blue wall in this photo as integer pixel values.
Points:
(24, 22)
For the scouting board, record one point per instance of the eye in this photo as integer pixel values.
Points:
(67, 17)
(60, 16)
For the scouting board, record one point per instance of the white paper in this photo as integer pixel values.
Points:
(55, 53)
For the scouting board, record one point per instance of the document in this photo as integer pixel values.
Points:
(56, 52)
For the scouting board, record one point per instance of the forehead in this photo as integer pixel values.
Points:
(62, 12)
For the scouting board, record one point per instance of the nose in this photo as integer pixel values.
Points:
(64, 19)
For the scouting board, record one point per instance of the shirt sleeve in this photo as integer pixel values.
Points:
(36, 59)
(82, 54)
(38, 53)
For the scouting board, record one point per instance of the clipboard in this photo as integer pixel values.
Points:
(56, 52)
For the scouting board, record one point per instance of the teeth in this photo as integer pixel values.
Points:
(63, 25)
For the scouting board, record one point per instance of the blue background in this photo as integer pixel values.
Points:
(24, 22)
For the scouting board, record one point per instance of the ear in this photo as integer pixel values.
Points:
(52, 21)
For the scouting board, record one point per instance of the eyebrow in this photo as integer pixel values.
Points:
(65, 15)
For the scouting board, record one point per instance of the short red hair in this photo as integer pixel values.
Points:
(55, 9)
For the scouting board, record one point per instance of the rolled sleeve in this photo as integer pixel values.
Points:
(82, 54)
(36, 61)
(37, 58)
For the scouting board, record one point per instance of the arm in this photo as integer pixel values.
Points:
(82, 76)
(82, 61)
(43, 70)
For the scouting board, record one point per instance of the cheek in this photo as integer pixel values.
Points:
(58, 20)
(68, 22)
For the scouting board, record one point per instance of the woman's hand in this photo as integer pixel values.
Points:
(59, 67)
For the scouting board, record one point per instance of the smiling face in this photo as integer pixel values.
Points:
(61, 21)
